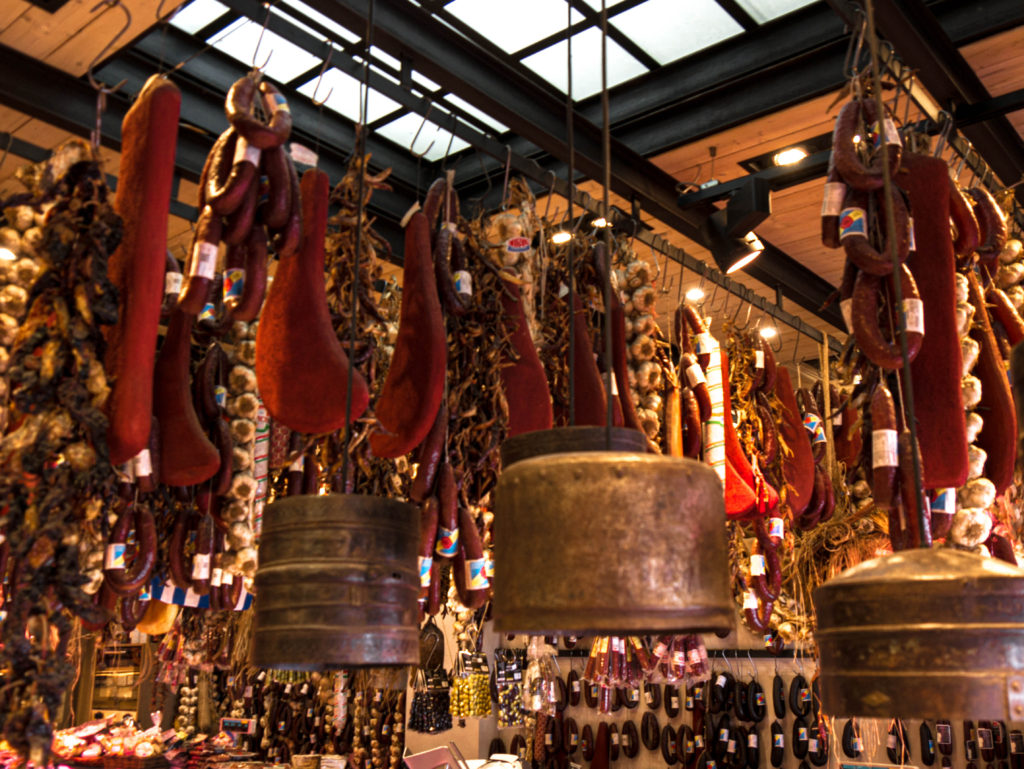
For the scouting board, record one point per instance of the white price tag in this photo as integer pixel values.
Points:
(891, 742)
(201, 566)
(884, 448)
(246, 152)
(757, 565)
(758, 358)
(750, 601)
(752, 740)
(695, 375)
(142, 464)
(913, 310)
(846, 310)
(204, 260)
(172, 283)
(777, 528)
(216, 577)
(732, 746)
(832, 200)
(813, 745)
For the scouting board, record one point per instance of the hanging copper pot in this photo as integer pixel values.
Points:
(924, 633)
(607, 542)
(337, 583)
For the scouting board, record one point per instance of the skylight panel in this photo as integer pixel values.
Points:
(669, 30)
(197, 14)
(344, 98)
(513, 26)
(609, 4)
(586, 63)
(287, 61)
(766, 10)
(424, 81)
(480, 115)
(323, 20)
(432, 140)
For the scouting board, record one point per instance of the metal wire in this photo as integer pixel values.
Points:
(606, 152)
(897, 289)
(359, 153)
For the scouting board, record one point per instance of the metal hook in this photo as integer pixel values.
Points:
(551, 193)
(259, 42)
(796, 345)
(947, 124)
(120, 33)
(778, 335)
(963, 159)
(753, 667)
(728, 664)
(416, 136)
(448, 149)
(320, 77)
(736, 315)
(853, 50)
(508, 169)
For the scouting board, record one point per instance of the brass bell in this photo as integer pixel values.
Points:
(923, 633)
(610, 542)
(337, 584)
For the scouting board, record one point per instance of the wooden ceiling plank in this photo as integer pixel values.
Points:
(10, 10)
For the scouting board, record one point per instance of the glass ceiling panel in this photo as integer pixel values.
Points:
(669, 30)
(512, 26)
(323, 20)
(480, 115)
(586, 63)
(287, 61)
(344, 98)
(193, 17)
(424, 81)
(609, 4)
(432, 140)
(766, 10)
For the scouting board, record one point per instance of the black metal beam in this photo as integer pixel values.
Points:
(925, 46)
(986, 110)
(406, 30)
(778, 178)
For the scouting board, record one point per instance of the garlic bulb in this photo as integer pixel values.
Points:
(971, 527)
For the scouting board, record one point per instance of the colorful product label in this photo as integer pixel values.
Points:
(425, 564)
(476, 578)
(813, 425)
(853, 221)
(234, 282)
(447, 542)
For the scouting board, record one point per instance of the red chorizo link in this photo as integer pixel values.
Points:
(129, 580)
(201, 560)
(855, 235)
(254, 288)
(239, 110)
(866, 326)
(277, 167)
(240, 221)
(226, 195)
(831, 207)
(693, 373)
(202, 263)
(845, 152)
(428, 457)
(286, 240)
(991, 224)
(964, 221)
(1002, 310)
(884, 449)
(429, 516)
(468, 567)
(692, 437)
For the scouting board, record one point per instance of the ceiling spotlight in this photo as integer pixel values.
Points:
(6, 255)
(789, 156)
(600, 222)
(560, 237)
(694, 294)
(768, 332)
(856, 139)
(739, 253)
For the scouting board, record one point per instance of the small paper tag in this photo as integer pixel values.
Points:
(801, 734)
(732, 746)
(172, 283)
(832, 200)
(648, 698)
(447, 542)
(204, 260)
(758, 358)
(776, 528)
(858, 744)
(246, 152)
(234, 282)
(201, 566)
(463, 283)
(142, 464)
(805, 695)
(853, 221)
(302, 154)
(720, 681)
(576, 687)
(891, 741)
(813, 745)
(846, 310)
(910, 234)
(750, 601)
(404, 222)
(674, 702)
(704, 343)
(615, 738)
(227, 578)
(698, 740)
(779, 741)
(689, 703)
(563, 290)
(695, 375)
(752, 740)
(424, 565)
(113, 556)
(517, 245)
(723, 734)
(216, 576)
(476, 578)
(892, 134)
(884, 444)
(220, 394)
(913, 311)
(756, 565)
